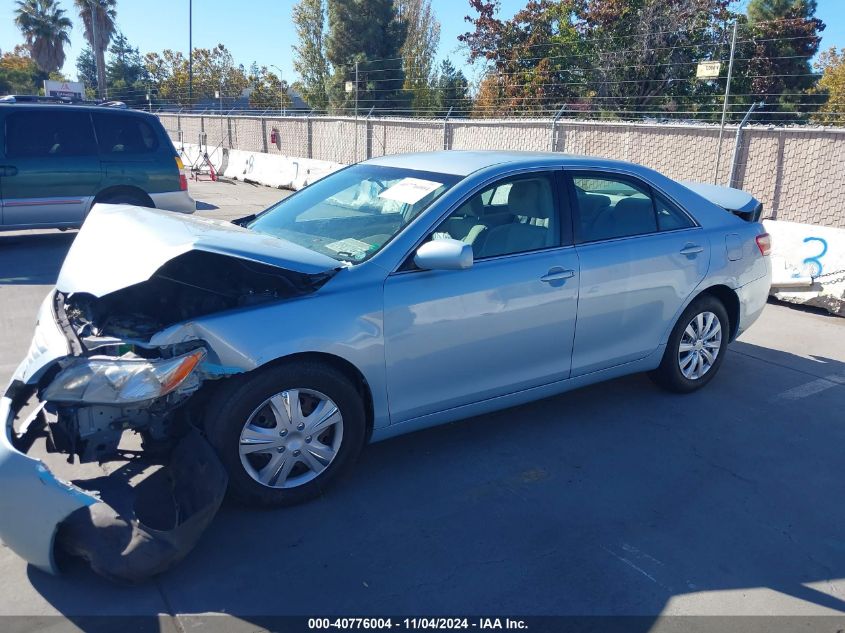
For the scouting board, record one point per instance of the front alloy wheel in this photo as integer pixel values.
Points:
(700, 345)
(286, 432)
(291, 438)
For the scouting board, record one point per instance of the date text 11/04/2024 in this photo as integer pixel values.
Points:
(417, 623)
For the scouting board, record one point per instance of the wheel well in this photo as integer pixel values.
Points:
(730, 300)
(124, 190)
(347, 369)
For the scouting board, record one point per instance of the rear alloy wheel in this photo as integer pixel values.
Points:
(286, 432)
(700, 345)
(696, 347)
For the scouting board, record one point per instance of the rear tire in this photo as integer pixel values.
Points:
(696, 347)
(127, 198)
(245, 425)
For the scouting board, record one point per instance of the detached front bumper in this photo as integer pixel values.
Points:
(33, 502)
(130, 514)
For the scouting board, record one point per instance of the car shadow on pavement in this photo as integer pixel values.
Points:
(33, 258)
(617, 499)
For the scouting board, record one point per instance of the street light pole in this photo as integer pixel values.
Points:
(281, 90)
(191, 54)
(725, 106)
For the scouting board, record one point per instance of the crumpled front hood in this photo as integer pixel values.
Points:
(122, 245)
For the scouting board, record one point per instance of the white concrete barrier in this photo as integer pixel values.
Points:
(272, 170)
(808, 264)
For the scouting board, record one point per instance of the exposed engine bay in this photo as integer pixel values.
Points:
(191, 285)
(119, 326)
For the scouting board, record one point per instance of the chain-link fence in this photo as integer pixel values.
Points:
(798, 172)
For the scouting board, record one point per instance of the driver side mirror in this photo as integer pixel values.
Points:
(445, 254)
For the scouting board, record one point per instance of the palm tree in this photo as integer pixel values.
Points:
(45, 29)
(98, 32)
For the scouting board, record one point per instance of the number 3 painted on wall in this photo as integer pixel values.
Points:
(814, 260)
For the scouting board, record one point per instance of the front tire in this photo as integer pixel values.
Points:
(286, 433)
(696, 347)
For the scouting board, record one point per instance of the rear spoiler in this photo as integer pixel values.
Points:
(738, 202)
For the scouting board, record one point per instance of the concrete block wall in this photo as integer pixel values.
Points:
(797, 172)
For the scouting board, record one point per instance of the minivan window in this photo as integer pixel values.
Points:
(120, 134)
(49, 134)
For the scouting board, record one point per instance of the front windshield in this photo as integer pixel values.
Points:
(352, 213)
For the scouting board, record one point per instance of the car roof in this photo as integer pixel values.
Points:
(464, 163)
(73, 107)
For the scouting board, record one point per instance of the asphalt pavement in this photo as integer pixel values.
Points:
(618, 499)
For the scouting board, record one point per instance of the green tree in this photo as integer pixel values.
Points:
(369, 33)
(451, 90)
(832, 86)
(534, 57)
(309, 60)
(126, 74)
(214, 71)
(19, 74)
(779, 38)
(266, 89)
(168, 74)
(98, 16)
(45, 29)
(419, 50)
(642, 54)
(86, 69)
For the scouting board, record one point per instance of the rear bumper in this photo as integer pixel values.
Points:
(179, 201)
(752, 299)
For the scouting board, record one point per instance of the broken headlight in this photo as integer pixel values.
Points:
(121, 380)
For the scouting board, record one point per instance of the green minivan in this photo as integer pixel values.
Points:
(59, 159)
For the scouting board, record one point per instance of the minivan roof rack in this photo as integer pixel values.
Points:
(59, 100)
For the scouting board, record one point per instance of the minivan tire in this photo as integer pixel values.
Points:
(239, 397)
(669, 374)
(127, 198)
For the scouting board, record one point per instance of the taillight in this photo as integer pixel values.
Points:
(764, 243)
(183, 181)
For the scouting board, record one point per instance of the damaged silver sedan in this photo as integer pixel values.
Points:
(179, 358)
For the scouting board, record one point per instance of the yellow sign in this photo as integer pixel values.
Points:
(708, 70)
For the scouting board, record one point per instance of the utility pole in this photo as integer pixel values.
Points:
(191, 54)
(356, 112)
(725, 106)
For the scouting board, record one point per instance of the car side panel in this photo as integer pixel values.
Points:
(631, 288)
(342, 319)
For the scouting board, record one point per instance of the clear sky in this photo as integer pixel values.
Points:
(262, 31)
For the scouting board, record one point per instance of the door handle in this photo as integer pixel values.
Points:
(557, 274)
(8, 170)
(692, 249)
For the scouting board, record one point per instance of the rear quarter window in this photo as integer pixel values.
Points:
(119, 135)
(49, 134)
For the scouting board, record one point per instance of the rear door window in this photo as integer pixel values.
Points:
(119, 135)
(612, 206)
(49, 134)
